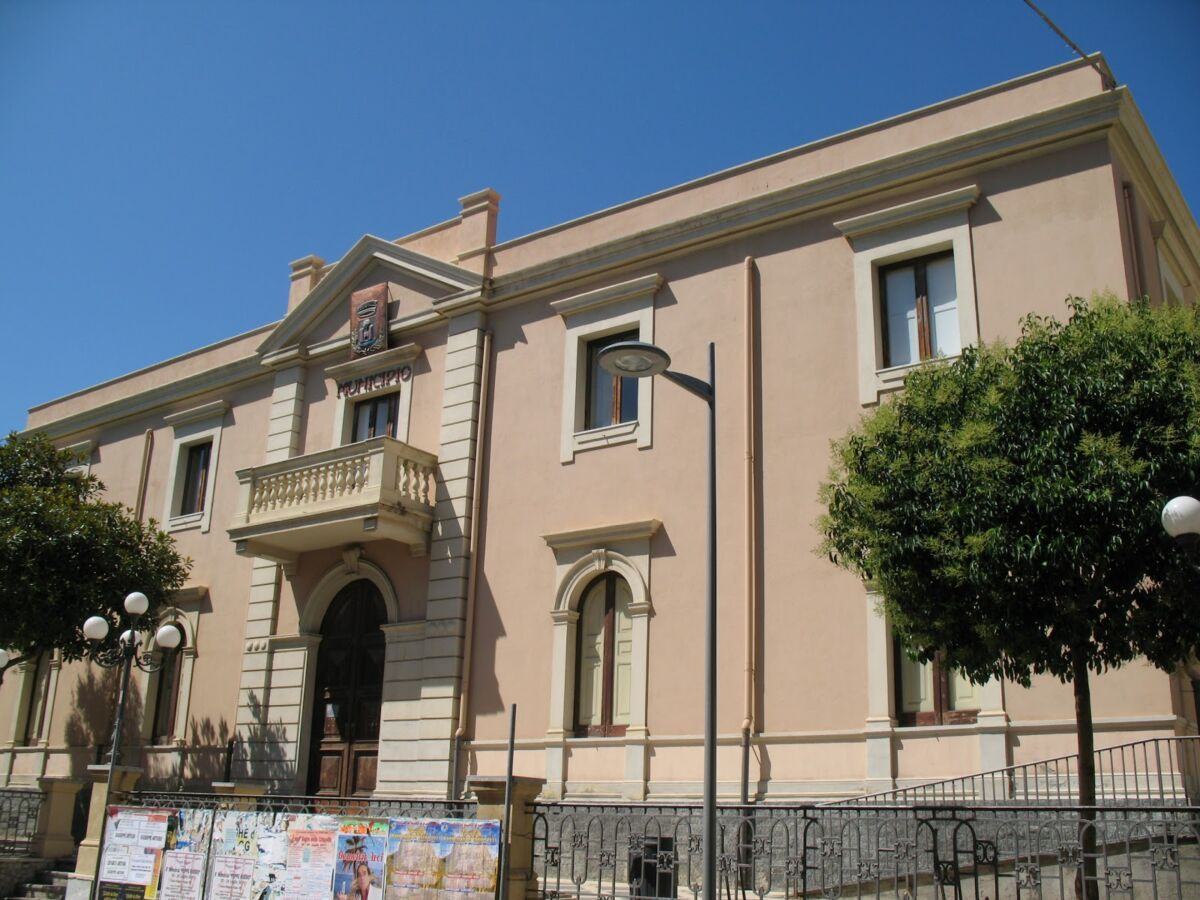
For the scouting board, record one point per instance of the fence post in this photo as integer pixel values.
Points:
(242, 795)
(489, 795)
(87, 864)
(53, 839)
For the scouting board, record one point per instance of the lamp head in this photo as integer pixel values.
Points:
(3, 657)
(128, 637)
(168, 636)
(1181, 516)
(633, 359)
(136, 604)
(95, 628)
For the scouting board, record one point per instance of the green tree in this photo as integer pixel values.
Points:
(1006, 505)
(66, 554)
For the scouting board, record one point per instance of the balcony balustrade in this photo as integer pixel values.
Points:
(379, 489)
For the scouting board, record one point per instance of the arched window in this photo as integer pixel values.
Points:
(604, 658)
(166, 693)
(39, 699)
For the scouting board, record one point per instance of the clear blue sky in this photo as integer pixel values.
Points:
(162, 162)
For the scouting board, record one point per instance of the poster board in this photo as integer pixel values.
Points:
(442, 859)
(190, 854)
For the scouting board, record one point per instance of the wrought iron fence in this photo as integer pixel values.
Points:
(19, 811)
(367, 807)
(1153, 771)
(608, 851)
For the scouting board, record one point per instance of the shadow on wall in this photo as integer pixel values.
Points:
(93, 710)
(259, 753)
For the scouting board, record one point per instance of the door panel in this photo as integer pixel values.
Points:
(349, 688)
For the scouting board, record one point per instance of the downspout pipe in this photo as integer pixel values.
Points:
(464, 687)
(144, 476)
(1131, 230)
(751, 422)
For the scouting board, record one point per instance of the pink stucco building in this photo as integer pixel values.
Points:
(392, 546)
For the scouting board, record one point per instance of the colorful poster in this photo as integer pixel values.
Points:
(310, 861)
(442, 859)
(361, 859)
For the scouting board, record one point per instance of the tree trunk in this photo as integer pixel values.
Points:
(1085, 876)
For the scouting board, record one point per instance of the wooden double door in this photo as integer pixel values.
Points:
(344, 754)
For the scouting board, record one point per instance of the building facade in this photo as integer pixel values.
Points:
(416, 499)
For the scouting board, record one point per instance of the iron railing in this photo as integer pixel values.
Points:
(1162, 770)
(367, 807)
(609, 851)
(19, 810)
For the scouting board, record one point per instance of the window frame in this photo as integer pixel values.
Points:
(608, 665)
(593, 350)
(164, 690)
(919, 265)
(376, 400)
(195, 493)
(941, 714)
(622, 308)
(192, 428)
(37, 704)
(895, 235)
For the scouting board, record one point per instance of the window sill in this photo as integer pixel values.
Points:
(183, 523)
(892, 378)
(606, 436)
(595, 741)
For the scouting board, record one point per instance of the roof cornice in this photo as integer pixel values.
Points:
(142, 402)
(1091, 115)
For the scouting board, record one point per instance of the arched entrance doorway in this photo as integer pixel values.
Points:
(344, 752)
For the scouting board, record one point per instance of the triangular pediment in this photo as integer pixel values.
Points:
(440, 279)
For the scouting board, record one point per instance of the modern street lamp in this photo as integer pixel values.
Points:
(635, 359)
(125, 655)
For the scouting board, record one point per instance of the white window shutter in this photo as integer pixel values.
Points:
(623, 661)
(591, 656)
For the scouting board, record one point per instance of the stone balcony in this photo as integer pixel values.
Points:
(379, 489)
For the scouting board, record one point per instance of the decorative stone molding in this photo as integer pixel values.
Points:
(581, 555)
(337, 578)
(198, 425)
(589, 316)
(893, 234)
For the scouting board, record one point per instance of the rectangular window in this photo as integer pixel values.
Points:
(610, 400)
(375, 417)
(166, 696)
(932, 693)
(919, 310)
(195, 479)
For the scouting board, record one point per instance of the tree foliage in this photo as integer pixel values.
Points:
(1006, 505)
(66, 554)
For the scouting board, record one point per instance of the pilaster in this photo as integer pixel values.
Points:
(993, 726)
(445, 615)
(270, 747)
(881, 758)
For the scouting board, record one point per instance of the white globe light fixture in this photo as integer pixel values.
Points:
(128, 637)
(3, 658)
(168, 636)
(1181, 516)
(136, 604)
(95, 628)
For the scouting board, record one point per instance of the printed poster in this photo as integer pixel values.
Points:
(311, 856)
(133, 848)
(234, 853)
(361, 859)
(442, 859)
(185, 855)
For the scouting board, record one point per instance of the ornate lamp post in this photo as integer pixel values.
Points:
(635, 359)
(126, 654)
(1181, 520)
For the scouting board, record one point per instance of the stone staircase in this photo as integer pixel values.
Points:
(48, 880)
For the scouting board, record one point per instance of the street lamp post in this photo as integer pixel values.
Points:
(1181, 520)
(125, 655)
(635, 359)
